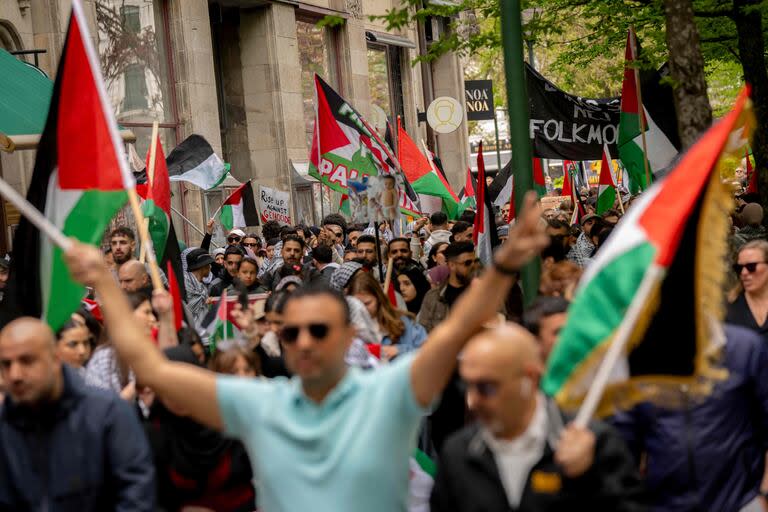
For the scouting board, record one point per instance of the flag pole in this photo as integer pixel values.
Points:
(152, 155)
(640, 108)
(34, 216)
(154, 272)
(191, 224)
(388, 278)
(517, 105)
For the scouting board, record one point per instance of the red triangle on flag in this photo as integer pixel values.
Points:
(414, 163)
(538, 172)
(567, 192)
(90, 152)
(160, 191)
(327, 134)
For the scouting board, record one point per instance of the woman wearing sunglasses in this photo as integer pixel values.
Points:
(750, 309)
(399, 331)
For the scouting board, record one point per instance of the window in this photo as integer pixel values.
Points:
(317, 53)
(385, 81)
(135, 88)
(133, 48)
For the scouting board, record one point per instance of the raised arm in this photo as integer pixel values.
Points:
(190, 388)
(162, 303)
(436, 359)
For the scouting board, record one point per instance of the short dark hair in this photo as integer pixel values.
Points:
(123, 231)
(293, 238)
(286, 231)
(255, 237)
(467, 216)
(139, 297)
(557, 224)
(251, 261)
(399, 239)
(456, 249)
(272, 242)
(543, 307)
(459, 227)
(369, 239)
(316, 290)
(438, 218)
(322, 253)
(233, 249)
(335, 219)
(276, 301)
(271, 229)
(355, 227)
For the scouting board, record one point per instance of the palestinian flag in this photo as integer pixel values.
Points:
(176, 297)
(467, 194)
(423, 175)
(752, 187)
(192, 161)
(567, 190)
(539, 184)
(606, 189)
(218, 327)
(239, 209)
(422, 478)
(157, 210)
(79, 180)
(484, 232)
(345, 148)
(656, 118)
(657, 285)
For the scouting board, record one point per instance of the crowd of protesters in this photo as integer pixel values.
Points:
(335, 379)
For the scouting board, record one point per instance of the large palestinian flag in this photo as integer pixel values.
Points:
(344, 148)
(424, 177)
(658, 284)
(157, 210)
(656, 118)
(79, 180)
(192, 161)
(606, 188)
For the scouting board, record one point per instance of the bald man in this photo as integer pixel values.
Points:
(63, 445)
(520, 455)
(133, 276)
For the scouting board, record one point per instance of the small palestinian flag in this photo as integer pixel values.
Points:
(239, 209)
(219, 328)
(661, 272)
(539, 184)
(422, 478)
(606, 189)
(157, 209)
(192, 161)
(467, 194)
(655, 117)
(423, 175)
(484, 232)
(79, 181)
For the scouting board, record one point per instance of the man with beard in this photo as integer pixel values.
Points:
(122, 241)
(292, 254)
(65, 446)
(400, 252)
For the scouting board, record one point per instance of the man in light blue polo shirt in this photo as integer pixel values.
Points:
(331, 438)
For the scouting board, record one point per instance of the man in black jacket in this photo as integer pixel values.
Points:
(521, 456)
(63, 446)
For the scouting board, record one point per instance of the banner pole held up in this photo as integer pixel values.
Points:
(34, 216)
(378, 250)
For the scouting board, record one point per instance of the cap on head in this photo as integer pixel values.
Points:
(237, 232)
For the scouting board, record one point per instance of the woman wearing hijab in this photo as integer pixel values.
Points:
(196, 466)
(413, 286)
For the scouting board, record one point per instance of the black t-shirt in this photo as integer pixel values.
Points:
(738, 313)
(452, 293)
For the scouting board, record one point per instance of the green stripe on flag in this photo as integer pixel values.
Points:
(600, 306)
(86, 221)
(606, 197)
(425, 463)
(226, 217)
(158, 226)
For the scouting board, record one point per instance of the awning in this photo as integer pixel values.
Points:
(25, 93)
(390, 39)
(301, 177)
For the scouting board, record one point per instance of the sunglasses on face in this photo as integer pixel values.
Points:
(234, 239)
(751, 266)
(250, 245)
(484, 388)
(290, 333)
(469, 263)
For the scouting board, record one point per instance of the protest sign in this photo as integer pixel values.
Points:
(274, 205)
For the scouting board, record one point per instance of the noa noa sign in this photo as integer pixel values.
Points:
(478, 97)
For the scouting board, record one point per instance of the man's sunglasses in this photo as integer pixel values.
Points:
(290, 333)
(751, 267)
(484, 388)
(234, 239)
(469, 263)
(250, 245)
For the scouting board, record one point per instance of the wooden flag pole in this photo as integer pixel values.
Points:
(143, 250)
(388, 279)
(640, 108)
(34, 216)
(141, 223)
(152, 155)
(621, 203)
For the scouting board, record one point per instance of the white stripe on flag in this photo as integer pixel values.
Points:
(505, 194)
(206, 175)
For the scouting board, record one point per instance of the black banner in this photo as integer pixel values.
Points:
(568, 127)
(478, 96)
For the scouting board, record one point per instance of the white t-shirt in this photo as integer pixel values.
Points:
(515, 458)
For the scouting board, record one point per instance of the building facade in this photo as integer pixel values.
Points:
(240, 73)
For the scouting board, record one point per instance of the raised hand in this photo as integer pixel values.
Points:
(575, 450)
(209, 226)
(86, 263)
(527, 237)
(162, 302)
